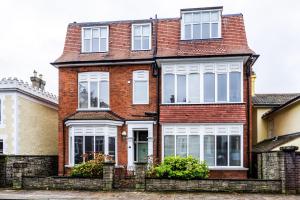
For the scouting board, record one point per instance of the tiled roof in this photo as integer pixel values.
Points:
(272, 100)
(94, 115)
(269, 144)
(282, 106)
(233, 41)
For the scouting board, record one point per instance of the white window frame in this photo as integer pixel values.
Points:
(202, 67)
(140, 75)
(106, 132)
(1, 111)
(187, 129)
(91, 43)
(132, 36)
(93, 76)
(210, 22)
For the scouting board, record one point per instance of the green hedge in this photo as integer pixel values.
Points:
(90, 169)
(180, 168)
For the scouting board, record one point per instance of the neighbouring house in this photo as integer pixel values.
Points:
(275, 121)
(28, 126)
(141, 90)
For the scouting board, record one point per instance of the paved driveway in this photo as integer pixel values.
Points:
(34, 194)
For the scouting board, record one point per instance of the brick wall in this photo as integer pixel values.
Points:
(120, 102)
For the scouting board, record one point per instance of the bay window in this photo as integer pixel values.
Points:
(95, 39)
(201, 24)
(218, 145)
(86, 142)
(93, 90)
(140, 87)
(202, 83)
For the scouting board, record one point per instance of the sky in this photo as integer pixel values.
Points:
(32, 33)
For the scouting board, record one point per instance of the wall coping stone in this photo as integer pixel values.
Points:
(289, 148)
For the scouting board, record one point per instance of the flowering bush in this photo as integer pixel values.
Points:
(91, 168)
(180, 168)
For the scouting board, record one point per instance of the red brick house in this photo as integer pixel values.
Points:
(157, 87)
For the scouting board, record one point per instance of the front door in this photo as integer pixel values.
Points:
(140, 145)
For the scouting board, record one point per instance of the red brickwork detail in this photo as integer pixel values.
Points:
(120, 102)
(227, 174)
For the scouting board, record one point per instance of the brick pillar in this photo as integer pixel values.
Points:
(18, 172)
(108, 175)
(140, 175)
(289, 169)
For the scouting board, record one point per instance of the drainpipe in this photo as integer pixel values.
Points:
(155, 67)
(251, 60)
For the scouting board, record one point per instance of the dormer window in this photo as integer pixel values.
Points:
(204, 24)
(141, 37)
(95, 39)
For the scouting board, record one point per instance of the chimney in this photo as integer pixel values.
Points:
(253, 80)
(37, 82)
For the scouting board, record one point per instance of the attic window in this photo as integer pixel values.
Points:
(205, 24)
(95, 39)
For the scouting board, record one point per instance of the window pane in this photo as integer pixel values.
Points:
(169, 145)
(181, 88)
(112, 147)
(1, 146)
(87, 45)
(169, 88)
(196, 18)
(104, 92)
(140, 92)
(214, 30)
(137, 30)
(181, 145)
(235, 86)
(137, 43)
(87, 33)
(222, 87)
(188, 32)
(95, 45)
(99, 144)
(0, 111)
(194, 88)
(78, 143)
(89, 148)
(209, 149)
(103, 32)
(205, 31)
(235, 150)
(188, 18)
(83, 94)
(103, 45)
(196, 31)
(209, 87)
(146, 30)
(205, 17)
(94, 94)
(145, 42)
(222, 150)
(215, 16)
(96, 33)
(194, 146)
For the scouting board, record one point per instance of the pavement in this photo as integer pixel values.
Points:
(55, 195)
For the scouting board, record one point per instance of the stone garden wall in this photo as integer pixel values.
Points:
(36, 166)
(251, 186)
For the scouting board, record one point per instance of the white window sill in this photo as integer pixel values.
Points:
(69, 166)
(202, 103)
(228, 168)
(93, 109)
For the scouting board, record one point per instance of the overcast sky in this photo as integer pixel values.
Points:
(32, 33)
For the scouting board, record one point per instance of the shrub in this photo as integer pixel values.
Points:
(180, 168)
(90, 169)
